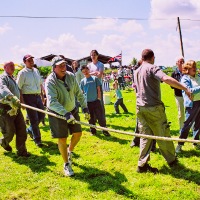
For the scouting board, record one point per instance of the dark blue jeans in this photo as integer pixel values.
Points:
(35, 117)
(118, 103)
(96, 112)
(192, 115)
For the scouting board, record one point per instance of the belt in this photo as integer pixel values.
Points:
(93, 101)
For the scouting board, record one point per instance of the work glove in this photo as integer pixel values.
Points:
(70, 118)
(15, 102)
(86, 113)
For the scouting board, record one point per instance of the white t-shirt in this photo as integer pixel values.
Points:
(96, 67)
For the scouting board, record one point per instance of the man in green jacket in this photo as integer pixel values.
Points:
(61, 89)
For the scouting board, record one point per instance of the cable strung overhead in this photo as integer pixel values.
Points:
(89, 18)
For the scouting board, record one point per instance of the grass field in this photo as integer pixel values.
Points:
(105, 168)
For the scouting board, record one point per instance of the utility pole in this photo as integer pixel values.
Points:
(180, 34)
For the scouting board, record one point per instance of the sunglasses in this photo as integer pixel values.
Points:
(67, 87)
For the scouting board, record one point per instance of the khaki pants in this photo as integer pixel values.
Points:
(153, 121)
(181, 110)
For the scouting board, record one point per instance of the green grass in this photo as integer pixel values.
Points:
(105, 168)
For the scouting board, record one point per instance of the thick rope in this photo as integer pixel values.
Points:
(113, 130)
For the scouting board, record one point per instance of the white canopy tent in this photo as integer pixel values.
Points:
(42, 63)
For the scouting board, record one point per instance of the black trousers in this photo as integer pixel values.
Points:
(13, 125)
(96, 113)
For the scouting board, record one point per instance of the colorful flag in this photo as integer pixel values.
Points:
(116, 58)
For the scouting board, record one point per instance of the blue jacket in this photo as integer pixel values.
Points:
(186, 81)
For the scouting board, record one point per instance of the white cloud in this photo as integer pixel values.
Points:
(166, 47)
(101, 24)
(4, 28)
(65, 44)
(114, 25)
(170, 9)
(112, 45)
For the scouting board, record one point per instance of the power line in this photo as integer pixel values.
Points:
(91, 18)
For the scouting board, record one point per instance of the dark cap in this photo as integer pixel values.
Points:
(26, 57)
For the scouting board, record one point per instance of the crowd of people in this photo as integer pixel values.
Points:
(69, 87)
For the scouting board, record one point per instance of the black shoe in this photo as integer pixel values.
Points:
(39, 144)
(8, 148)
(93, 133)
(24, 154)
(173, 163)
(133, 144)
(106, 133)
(147, 168)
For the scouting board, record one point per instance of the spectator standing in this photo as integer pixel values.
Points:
(30, 85)
(177, 74)
(192, 107)
(121, 81)
(151, 112)
(119, 97)
(79, 75)
(77, 71)
(91, 87)
(61, 89)
(97, 69)
(113, 76)
(11, 118)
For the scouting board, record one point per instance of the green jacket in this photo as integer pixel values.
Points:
(8, 86)
(61, 98)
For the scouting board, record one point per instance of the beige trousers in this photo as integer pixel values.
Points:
(153, 121)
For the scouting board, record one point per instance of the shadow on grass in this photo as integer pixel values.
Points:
(34, 162)
(189, 154)
(122, 128)
(181, 172)
(122, 114)
(50, 147)
(101, 181)
(45, 128)
(110, 138)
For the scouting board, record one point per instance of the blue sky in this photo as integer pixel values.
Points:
(75, 38)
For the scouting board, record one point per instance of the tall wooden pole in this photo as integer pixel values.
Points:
(180, 34)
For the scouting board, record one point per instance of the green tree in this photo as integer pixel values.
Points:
(198, 64)
(134, 61)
